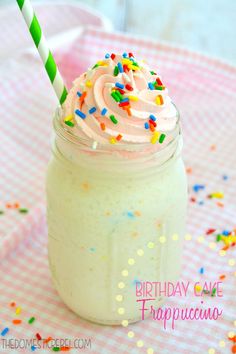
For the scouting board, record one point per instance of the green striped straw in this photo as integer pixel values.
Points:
(45, 53)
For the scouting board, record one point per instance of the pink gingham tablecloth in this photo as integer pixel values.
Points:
(204, 89)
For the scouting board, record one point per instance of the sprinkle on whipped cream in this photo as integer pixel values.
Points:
(120, 100)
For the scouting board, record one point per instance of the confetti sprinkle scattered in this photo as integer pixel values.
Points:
(31, 320)
(18, 310)
(198, 187)
(210, 231)
(37, 335)
(33, 348)
(4, 331)
(201, 271)
(23, 210)
(16, 322)
(218, 195)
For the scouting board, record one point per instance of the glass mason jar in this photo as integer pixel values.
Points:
(111, 221)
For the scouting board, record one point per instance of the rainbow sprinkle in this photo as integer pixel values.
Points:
(92, 110)
(80, 114)
(113, 119)
(103, 111)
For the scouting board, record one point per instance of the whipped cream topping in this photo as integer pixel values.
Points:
(120, 101)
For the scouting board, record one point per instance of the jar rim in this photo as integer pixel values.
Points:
(67, 135)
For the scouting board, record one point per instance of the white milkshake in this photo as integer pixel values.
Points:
(115, 185)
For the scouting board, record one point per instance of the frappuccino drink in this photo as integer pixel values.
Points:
(116, 190)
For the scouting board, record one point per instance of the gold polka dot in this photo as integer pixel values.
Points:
(125, 273)
(231, 334)
(140, 252)
(119, 298)
(212, 245)
(139, 343)
(131, 261)
(231, 262)
(151, 245)
(200, 239)
(121, 310)
(162, 239)
(150, 351)
(125, 323)
(222, 253)
(222, 344)
(130, 334)
(188, 237)
(121, 285)
(211, 351)
(175, 237)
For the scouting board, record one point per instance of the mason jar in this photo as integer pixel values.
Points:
(114, 218)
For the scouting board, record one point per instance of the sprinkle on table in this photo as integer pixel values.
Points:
(16, 322)
(4, 331)
(201, 270)
(102, 125)
(38, 336)
(23, 210)
(198, 187)
(217, 195)
(31, 320)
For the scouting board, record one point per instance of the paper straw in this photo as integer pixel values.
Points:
(45, 53)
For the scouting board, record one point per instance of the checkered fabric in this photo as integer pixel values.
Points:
(203, 88)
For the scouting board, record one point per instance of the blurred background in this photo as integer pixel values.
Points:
(208, 26)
